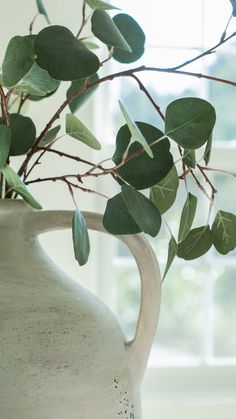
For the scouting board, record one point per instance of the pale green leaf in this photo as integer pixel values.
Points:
(189, 158)
(233, 2)
(224, 232)
(105, 29)
(196, 244)
(172, 252)
(76, 129)
(16, 184)
(99, 4)
(42, 10)
(135, 131)
(207, 152)
(80, 238)
(163, 194)
(142, 210)
(50, 136)
(187, 216)
(37, 82)
(90, 45)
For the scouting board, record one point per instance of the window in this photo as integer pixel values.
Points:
(195, 343)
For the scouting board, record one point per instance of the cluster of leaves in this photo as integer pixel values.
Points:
(33, 68)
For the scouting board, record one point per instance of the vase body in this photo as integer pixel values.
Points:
(62, 352)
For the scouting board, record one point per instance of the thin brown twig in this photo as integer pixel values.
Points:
(65, 180)
(84, 19)
(4, 107)
(143, 89)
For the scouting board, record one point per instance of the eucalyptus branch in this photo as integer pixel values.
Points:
(214, 191)
(207, 52)
(69, 156)
(23, 98)
(88, 86)
(225, 30)
(143, 89)
(84, 19)
(65, 180)
(32, 23)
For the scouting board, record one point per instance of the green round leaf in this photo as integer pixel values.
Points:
(143, 171)
(117, 210)
(18, 60)
(133, 34)
(224, 232)
(23, 134)
(196, 244)
(76, 85)
(163, 194)
(190, 121)
(142, 210)
(63, 55)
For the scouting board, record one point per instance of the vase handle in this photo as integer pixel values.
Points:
(139, 347)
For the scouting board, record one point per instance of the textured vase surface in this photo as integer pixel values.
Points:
(63, 354)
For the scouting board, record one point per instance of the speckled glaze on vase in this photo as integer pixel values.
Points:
(63, 354)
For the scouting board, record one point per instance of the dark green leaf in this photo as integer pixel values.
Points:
(77, 85)
(23, 134)
(105, 29)
(196, 244)
(172, 252)
(76, 129)
(163, 194)
(80, 238)
(134, 36)
(190, 121)
(18, 60)
(117, 219)
(37, 82)
(50, 136)
(189, 158)
(187, 216)
(5, 142)
(16, 184)
(143, 171)
(142, 210)
(207, 152)
(136, 134)
(224, 232)
(233, 2)
(99, 4)
(42, 10)
(63, 55)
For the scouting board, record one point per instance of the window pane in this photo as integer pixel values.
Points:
(225, 313)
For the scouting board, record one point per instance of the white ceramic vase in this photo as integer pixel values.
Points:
(62, 352)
